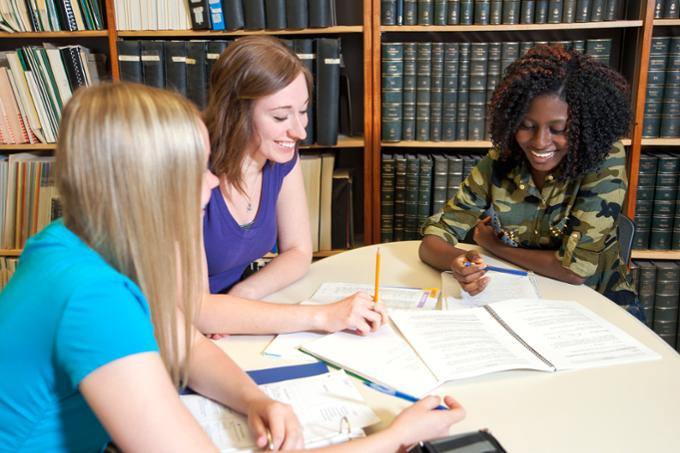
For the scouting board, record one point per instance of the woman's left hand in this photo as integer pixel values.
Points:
(485, 236)
(274, 425)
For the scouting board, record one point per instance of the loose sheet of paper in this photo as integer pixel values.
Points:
(570, 335)
(320, 402)
(464, 343)
(383, 357)
(501, 287)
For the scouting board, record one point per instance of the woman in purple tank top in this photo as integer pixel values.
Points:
(256, 115)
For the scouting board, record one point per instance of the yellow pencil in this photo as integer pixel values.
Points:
(377, 275)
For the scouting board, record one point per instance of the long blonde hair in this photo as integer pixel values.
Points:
(130, 163)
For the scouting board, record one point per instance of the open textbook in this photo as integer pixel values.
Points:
(286, 345)
(329, 407)
(542, 335)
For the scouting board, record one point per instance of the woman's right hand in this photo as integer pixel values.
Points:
(422, 421)
(357, 312)
(468, 271)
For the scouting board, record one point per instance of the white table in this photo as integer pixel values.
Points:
(624, 408)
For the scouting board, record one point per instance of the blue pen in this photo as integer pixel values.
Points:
(504, 270)
(405, 396)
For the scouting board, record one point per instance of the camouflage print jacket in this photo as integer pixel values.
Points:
(576, 218)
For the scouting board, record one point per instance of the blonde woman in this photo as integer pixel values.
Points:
(96, 325)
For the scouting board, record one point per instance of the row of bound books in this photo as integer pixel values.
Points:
(329, 201)
(496, 12)
(7, 267)
(35, 83)
(433, 91)
(152, 15)
(662, 104)
(415, 186)
(50, 15)
(28, 197)
(658, 286)
(185, 66)
(657, 208)
(667, 9)
(261, 14)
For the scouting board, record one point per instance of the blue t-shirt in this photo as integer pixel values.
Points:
(229, 248)
(64, 313)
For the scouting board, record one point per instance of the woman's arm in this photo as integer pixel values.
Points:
(294, 241)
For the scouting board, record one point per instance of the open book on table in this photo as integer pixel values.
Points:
(330, 409)
(543, 335)
(286, 345)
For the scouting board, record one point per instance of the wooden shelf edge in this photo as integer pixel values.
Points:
(192, 33)
(343, 142)
(514, 27)
(666, 22)
(10, 252)
(661, 142)
(55, 34)
(326, 253)
(28, 147)
(454, 144)
(656, 254)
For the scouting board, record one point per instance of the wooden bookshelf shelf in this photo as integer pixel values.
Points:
(326, 253)
(661, 142)
(343, 142)
(24, 148)
(454, 144)
(666, 22)
(10, 252)
(515, 27)
(656, 254)
(341, 29)
(55, 34)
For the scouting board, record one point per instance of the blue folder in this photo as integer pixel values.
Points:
(283, 373)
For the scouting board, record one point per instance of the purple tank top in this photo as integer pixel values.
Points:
(228, 247)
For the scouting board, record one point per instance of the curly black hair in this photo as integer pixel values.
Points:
(597, 98)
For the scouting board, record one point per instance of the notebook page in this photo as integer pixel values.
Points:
(391, 296)
(501, 287)
(464, 343)
(569, 335)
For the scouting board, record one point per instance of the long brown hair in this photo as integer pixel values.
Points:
(130, 162)
(249, 69)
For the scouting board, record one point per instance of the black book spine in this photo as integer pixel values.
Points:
(392, 79)
(670, 112)
(213, 50)
(583, 8)
(73, 65)
(199, 11)
(328, 90)
(493, 73)
(424, 192)
(197, 77)
(671, 9)
(597, 10)
(254, 14)
(388, 12)
(425, 12)
(233, 14)
(436, 91)
(320, 13)
(275, 14)
(67, 17)
(463, 91)
(450, 94)
(411, 206)
(659, 7)
(387, 185)
(176, 66)
(408, 126)
(423, 86)
(611, 11)
(599, 49)
(296, 14)
(130, 61)
(455, 175)
(439, 177)
(153, 67)
(399, 196)
(342, 228)
(569, 11)
(304, 48)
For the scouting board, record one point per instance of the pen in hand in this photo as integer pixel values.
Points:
(503, 270)
(405, 396)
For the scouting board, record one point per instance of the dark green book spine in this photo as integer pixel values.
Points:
(659, 7)
(524, 46)
(423, 86)
(667, 287)
(410, 12)
(408, 126)
(496, 12)
(399, 196)
(599, 49)
(388, 12)
(578, 45)
(583, 8)
(453, 12)
(526, 14)
(611, 10)
(511, 11)
(411, 208)
(541, 12)
(392, 78)
(671, 9)
(493, 72)
(509, 53)
(656, 77)
(482, 10)
(463, 91)
(439, 178)
(466, 12)
(670, 113)
(387, 198)
(597, 10)
(440, 13)
(647, 288)
(425, 12)
(450, 93)
(569, 11)
(436, 91)
(455, 176)
(479, 53)
(424, 191)
(555, 11)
